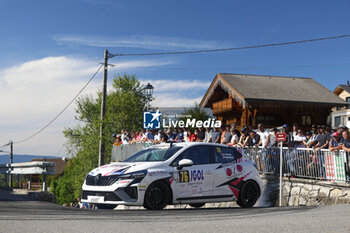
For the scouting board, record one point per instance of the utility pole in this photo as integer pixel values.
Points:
(11, 161)
(103, 111)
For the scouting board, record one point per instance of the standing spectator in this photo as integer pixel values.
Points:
(157, 136)
(180, 135)
(150, 136)
(171, 135)
(186, 138)
(299, 139)
(193, 136)
(273, 142)
(244, 138)
(164, 136)
(234, 126)
(226, 135)
(336, 142)
(201, 134)
(346, 141)
(215, 136)
(294, 131)
(222, 134)
(264, 136)
(253, 139)
(288, 142)
(322, 139)
(207, 134)
(234, 138)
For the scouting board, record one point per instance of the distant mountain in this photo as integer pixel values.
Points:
(23, 158)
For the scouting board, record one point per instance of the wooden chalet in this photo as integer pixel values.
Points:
(273, 100)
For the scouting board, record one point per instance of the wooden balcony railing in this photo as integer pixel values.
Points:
(222, 106)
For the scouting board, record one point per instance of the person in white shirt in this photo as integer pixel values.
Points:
(264, 136)
(272, 142)
(234, 138)
(300, 139)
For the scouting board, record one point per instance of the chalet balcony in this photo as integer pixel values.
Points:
(222, 106)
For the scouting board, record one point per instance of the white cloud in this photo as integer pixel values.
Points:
(141, 41)
(33, 93)
(177, 93)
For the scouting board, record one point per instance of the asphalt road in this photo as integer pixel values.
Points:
(19, 215)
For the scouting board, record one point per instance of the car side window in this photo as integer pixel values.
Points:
(198, 154)
(225, 154)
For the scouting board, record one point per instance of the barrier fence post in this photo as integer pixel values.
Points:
(281, 163)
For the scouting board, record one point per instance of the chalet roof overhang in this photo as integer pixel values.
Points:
(243, 88)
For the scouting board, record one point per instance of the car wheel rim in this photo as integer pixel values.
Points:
(156, 196)
(250, 194)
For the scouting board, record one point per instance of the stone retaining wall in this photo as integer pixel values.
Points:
(304, 192)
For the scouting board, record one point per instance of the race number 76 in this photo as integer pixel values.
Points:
(184, 176)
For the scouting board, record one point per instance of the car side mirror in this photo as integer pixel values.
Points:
(184, 163)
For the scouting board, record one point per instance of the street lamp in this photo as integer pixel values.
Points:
(148, 92)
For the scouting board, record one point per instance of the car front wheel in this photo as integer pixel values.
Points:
(248, 195)
(157, 196)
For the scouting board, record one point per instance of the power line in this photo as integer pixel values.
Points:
(230, 49)
(62, 111)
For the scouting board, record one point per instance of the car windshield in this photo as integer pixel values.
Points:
(153, 154)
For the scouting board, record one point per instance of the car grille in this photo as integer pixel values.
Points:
(101, 180)
(109, 196)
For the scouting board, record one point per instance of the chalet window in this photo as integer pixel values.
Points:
(337, 121)
(306, 120)
(269, 120)
(348, 101)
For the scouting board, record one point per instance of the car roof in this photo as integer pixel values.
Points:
(188, 144)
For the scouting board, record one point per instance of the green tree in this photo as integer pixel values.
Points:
(125, 105)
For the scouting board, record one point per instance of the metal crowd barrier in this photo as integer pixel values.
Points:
(302, 162)
(297, 162)
(123, 151)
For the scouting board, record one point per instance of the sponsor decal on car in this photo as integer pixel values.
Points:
(193, 175)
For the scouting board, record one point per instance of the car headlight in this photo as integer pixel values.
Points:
(134, 175)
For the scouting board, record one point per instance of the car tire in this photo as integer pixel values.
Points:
(106, 206)
(248, 195)
(157, 196)
(197, 205)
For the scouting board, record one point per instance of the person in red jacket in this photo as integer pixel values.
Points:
(193, 136)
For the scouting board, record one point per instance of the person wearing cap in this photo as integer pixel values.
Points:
(171, 135)
(244, 137)
(336, 142)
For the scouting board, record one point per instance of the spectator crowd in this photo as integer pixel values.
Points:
(318, 137)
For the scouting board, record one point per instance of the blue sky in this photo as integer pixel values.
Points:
(49, 49)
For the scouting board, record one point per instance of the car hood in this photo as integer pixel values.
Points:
(123, 168)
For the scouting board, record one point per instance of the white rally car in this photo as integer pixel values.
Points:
(179, 173)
